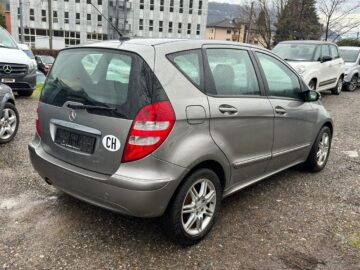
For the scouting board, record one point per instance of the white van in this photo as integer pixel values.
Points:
(17, 70)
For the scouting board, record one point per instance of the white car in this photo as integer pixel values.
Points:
(319, 63)
(351, 56)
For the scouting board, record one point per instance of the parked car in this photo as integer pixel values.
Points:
(26, 49)
(183, 124)
(318, 63)
(9, 120)
(44, 63)
(16, 69)
(351, 56)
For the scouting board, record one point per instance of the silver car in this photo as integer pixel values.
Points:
(351, 56)
(171, 127)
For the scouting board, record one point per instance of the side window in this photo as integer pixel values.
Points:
(282, 82)
(325, 51)
(189, 63)
(233, 72)
(334, 52)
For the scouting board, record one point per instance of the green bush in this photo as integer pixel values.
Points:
(52, 53)
(349, 42)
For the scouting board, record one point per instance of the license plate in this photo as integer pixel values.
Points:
(75, 141)
(4, 80)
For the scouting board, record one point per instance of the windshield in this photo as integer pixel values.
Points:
(47, 59)
(117, 80)
(6, 40)
(295, 52)
(349, 56)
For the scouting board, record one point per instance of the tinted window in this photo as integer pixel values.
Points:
(189, 63)
(334, 53)
(325, 50)
(233, 72)
(119, 80)
(282, 82)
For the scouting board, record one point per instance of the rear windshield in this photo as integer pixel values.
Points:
(118, 80)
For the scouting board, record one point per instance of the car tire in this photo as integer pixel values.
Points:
(320, 151)
(312, 84)
(25, 93)
(202, 207)
(8, 114)
(353, 84)
(337, 90)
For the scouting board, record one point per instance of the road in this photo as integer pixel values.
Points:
(293, 220)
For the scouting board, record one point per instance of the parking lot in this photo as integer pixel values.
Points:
(294, 220)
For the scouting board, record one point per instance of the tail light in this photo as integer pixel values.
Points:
(37, 121)
(149, 130)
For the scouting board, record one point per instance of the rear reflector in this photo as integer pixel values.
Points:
(149, 130)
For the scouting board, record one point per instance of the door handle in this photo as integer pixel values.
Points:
(227, 109)
(280, 110)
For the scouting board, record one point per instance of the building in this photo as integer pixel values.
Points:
(77, 21)
(233, 30)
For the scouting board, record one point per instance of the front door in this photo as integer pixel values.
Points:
(241, 121)
(294, 119)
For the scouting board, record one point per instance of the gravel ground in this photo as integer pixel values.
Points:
(294, 220)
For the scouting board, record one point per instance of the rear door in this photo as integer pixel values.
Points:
(115, 83)
(294, 118)
(241, 121)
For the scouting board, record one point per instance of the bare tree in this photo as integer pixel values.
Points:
(337, 16)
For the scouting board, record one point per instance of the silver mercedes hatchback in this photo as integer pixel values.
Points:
(170, 127)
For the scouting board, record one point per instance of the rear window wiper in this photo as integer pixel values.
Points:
(90, 107)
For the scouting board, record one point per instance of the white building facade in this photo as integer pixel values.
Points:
(78, 22)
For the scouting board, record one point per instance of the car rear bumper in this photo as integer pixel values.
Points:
(119, 193)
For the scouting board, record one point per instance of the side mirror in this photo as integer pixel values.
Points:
(311, 96)
(325, 59)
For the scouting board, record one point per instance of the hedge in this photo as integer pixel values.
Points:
(53, 53)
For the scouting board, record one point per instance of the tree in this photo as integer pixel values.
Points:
(298, 20)
(337, 17)
(2, 16)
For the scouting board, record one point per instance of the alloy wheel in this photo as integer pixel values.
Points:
(8, 123)
(198, 207)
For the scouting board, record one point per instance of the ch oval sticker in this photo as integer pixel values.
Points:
(111, 143)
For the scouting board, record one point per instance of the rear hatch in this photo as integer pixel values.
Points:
(88, 104)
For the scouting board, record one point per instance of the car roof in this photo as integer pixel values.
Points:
(315, 42)
(350, 48)
(164, 42)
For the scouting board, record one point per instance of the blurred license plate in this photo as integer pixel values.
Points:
(75, 141)
(4, 80)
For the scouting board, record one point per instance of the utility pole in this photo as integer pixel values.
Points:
(250, 22)
(21, 22)
(50, 25)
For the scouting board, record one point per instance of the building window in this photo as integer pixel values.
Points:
(160, 26)
(189, 29)
(66, 17)
(198, 30)
(55, 16)
(151, 25)
(141, 4)
(77, 18)
(170, 27)
(161, 5)
(200, 7)
(32, 16)
(141, 24)
(181, 9)
(190, 6)
(179, 28)
(151, 4)
(171, 5)
(43, 15)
